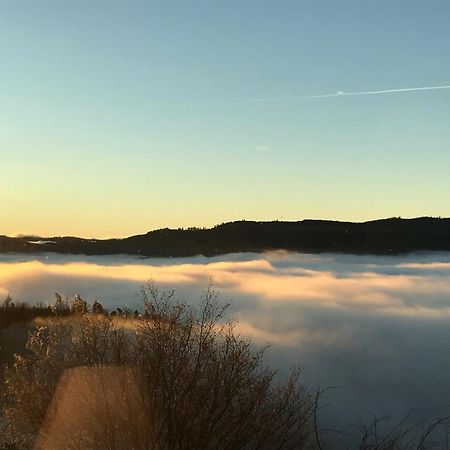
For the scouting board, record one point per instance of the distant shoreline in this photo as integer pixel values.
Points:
(379, 237)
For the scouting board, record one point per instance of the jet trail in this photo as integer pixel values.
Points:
(346, 94)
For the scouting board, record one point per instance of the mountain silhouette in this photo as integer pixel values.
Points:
(385, 236)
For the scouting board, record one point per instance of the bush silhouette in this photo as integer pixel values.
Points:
(177, 377)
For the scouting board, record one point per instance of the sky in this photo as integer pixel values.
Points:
(118, 117)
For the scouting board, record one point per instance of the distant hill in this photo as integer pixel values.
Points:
(386, 236)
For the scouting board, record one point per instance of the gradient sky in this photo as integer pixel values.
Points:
(122, 116)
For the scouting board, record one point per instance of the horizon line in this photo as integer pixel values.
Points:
(186, 228)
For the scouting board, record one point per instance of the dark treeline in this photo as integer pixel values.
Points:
(13, 312)
(17, 319)
(387, 236)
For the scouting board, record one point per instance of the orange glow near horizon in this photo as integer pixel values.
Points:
(258, 278)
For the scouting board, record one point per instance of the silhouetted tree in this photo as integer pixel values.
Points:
(97, 308)
(78, 305)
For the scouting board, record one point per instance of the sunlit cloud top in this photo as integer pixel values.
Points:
(388, 286)
(377, 326)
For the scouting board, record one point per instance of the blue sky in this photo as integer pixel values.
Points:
(120, 117)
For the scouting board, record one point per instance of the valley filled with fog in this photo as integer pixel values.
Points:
(375, 327)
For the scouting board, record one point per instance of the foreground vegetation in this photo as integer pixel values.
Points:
(175, 378)
(76, 376)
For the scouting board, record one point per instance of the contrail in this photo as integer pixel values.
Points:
(346, 94)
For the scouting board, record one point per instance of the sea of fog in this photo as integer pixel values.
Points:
(375, 327)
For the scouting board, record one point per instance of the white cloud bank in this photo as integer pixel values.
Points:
(377, 326)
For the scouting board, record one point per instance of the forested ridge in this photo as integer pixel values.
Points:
(385, 236)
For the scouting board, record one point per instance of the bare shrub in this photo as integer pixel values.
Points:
(384, 433)
(194, 384)
(405, 434)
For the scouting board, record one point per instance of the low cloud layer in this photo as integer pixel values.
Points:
(376, 326)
